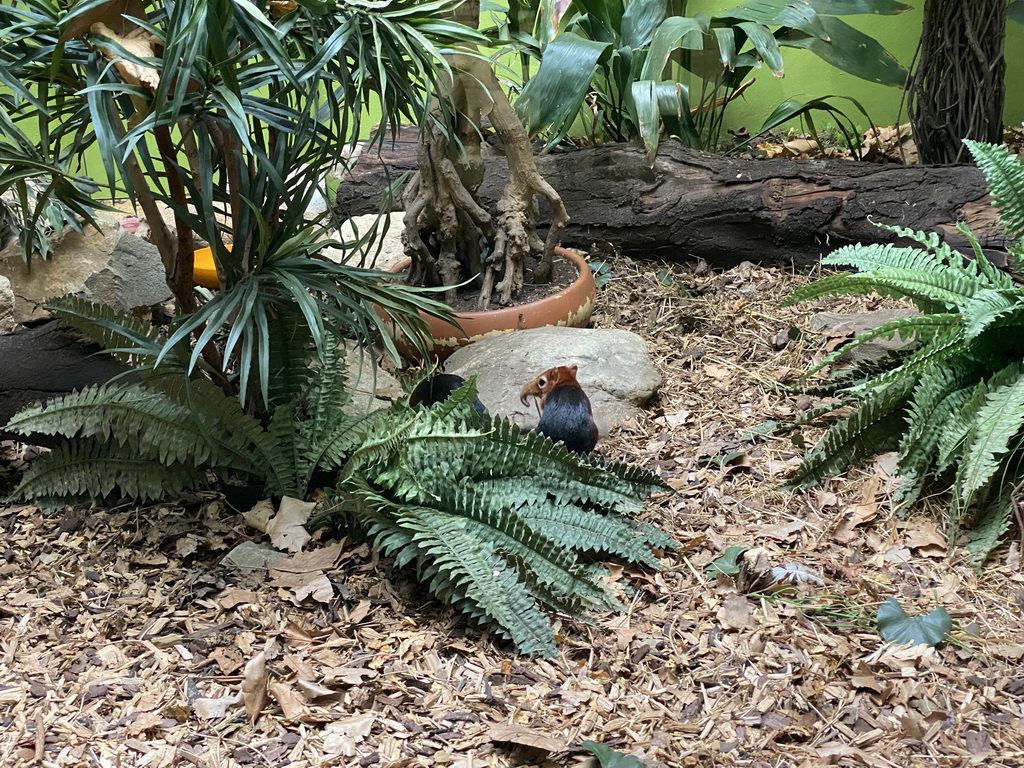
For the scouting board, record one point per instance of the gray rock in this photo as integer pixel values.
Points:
(249, 556)
(838, 324)
(369, 386)
(615, 370)
(6, 305)
(112, 266)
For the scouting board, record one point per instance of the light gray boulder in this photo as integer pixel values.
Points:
(615, 370)
(111, 266)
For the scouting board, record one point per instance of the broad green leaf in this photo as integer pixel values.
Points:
(778, 13)
(765, 44)
(645, 105)
(895, 626)
(608, 15)
(610, 758)
(553, 96)
(640, 20)
(674, 107)
(673, 33)
(851, 51)
(728, 563)
(726, 46)
(840, 7)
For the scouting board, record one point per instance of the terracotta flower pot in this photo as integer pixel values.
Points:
(571, 306)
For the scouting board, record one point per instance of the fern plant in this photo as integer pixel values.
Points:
(952, 401)
(497, 523)
(161, 431)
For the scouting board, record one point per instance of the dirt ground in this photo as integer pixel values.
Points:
(124, 640)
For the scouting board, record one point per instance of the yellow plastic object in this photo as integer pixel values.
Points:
(204, 271)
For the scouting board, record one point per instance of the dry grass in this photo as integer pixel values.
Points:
(114, 622)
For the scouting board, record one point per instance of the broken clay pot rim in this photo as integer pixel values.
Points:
(571, 306)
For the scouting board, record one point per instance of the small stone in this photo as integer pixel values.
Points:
(248, 557)
(110, 266)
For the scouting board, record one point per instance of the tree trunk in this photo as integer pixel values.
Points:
(957, 88)
(692, 204)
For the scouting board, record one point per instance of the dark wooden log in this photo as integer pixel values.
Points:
(44, 361)
(725, 210)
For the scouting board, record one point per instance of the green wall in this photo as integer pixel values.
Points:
(808, 77)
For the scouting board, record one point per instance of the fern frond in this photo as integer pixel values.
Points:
(133, 339)
(587, 530)
(993, 309)
(883, 256)
(222, 422)
(458, 406)
(1005, 177)
(643, 481)
(920, 328)
(461, 569)
(940, 393)
(873, 428)
(546, 562)
(293, 474)
(94, 469)
(289, 356)
(939, 351)
(989, 525)
(334, 448)
(327, 396)
(133, 415)
(980, 266)
(956, 432)
(996, 423)
(930, 291)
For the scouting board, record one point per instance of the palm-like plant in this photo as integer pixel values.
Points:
(229, 113)
(952, 403)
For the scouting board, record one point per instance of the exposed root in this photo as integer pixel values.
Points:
(516, 236)
(445, 228)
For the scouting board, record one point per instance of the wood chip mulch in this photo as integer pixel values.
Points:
(125, 640)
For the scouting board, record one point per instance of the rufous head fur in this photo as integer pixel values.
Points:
(547, 381)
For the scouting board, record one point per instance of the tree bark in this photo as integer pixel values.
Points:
(696, 205)
(45, 361)
(957, 88)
